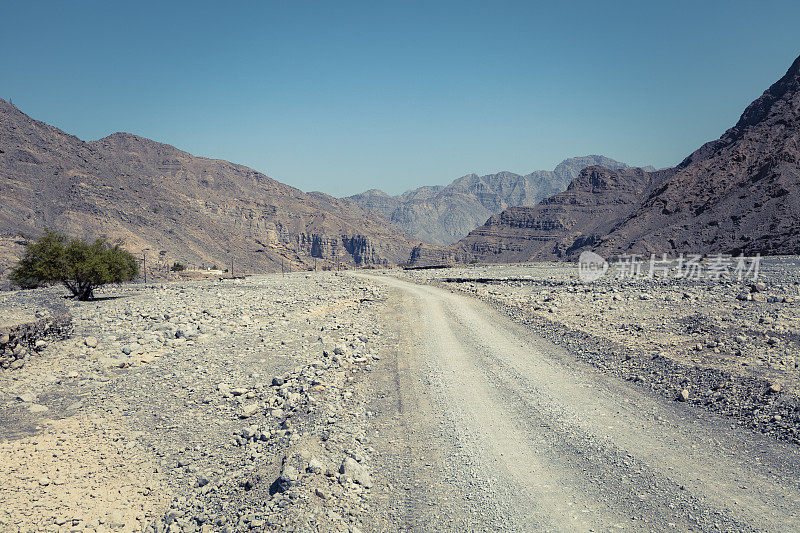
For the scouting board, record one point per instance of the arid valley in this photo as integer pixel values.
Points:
(392, 266)
(391, 400)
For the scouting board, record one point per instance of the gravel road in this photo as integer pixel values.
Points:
(355, 402)
(502, 430)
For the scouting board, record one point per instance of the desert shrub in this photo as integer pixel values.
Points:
(178, 267)
(80, 265)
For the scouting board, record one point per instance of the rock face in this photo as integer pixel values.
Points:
(194, 210)
(444, 214)
(16, 340)
(426, 255)
(593, 203)
(738, 194)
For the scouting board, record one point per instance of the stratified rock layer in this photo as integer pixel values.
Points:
(738, 194)
(444, 214)
(597, 200)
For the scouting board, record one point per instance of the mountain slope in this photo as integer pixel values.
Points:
(593, 203)
(193, 209)
(444, 214)
(737, 194)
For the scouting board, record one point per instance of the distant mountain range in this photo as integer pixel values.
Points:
(174, 206)
(444, 214)
(738, 194)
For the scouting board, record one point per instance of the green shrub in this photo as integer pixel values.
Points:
(80, 265)
(178, 267)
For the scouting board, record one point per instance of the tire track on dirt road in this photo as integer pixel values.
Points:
(555, 444)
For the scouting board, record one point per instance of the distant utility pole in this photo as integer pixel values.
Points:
(144, 264)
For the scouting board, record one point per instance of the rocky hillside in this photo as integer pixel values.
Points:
(594, 202)
(738, 194)
(444, 214)
(175, 206)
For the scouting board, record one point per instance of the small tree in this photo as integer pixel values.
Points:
(79, 264)
(178, 267)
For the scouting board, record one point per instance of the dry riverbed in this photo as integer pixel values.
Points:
(195, 406)
(359, 402)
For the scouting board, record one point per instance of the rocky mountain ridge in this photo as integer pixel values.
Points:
(593, 203)
(737, 194)
(174, 206)
(443, 214)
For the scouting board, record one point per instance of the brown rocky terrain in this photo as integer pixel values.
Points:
(444, 214)
(738, 194)
(174, 407)
(175, 206)
(593, 203)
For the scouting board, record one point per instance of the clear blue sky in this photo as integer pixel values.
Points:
(346, 96)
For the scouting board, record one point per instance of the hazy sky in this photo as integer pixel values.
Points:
(346, 96)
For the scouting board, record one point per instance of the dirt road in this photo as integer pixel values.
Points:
(488, 427)
(351, 402)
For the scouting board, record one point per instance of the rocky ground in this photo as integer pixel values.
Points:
(731, 346)
(195, 406)
(334, 401)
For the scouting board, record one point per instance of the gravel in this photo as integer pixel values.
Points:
(236, 397)
(277, 402)
(693, 335)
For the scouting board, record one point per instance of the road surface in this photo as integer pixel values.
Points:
(491, 428)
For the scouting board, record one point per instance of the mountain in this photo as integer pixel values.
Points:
(737, 194)
(597, 200)
(176, 206)
(444, 214)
